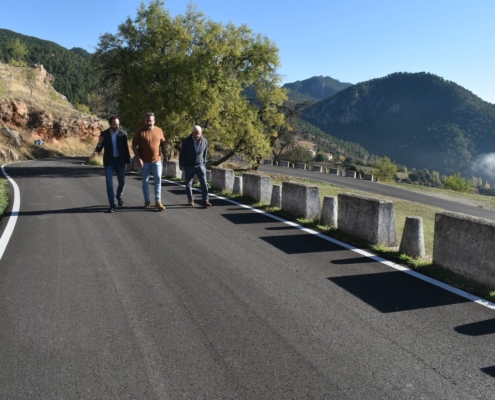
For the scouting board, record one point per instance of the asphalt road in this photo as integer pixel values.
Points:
(219, 303)
(380, 189)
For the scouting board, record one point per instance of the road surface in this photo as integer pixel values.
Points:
(219, 303)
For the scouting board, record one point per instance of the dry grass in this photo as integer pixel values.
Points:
(402, 208)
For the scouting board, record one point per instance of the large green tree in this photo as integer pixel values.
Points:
(191, 70)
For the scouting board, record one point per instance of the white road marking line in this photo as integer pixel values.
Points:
(364, 253)
(9, 229)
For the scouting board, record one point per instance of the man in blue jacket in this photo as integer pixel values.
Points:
(192, 161)
(115, 157)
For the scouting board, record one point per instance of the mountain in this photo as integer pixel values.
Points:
(72, 70)
(314, 89)
(417, 119)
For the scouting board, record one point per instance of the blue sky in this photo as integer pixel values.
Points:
(349, 40)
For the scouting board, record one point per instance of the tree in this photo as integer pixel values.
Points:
(458, 183)
(30, 76)
(190, 70)
(385, 169)
(18, 51)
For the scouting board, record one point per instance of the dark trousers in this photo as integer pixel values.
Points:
(119, 169)
(200, 172)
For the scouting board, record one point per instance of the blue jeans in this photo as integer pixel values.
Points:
(200, 172)
(120, 172)
(156, 168)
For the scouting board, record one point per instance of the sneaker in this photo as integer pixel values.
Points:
(159, 206)
(112, 209)
(120, 201)
(190, 203)
(206, 203)
(147, 204)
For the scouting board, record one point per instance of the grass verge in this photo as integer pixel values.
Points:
(4, 196)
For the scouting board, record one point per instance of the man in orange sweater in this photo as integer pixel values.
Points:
(146, 145)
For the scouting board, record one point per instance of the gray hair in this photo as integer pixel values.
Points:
(197, 128)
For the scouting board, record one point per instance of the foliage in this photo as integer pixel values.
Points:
(295, 155)
(18, 50)
(4, 196)
(457, 183)
(30, 76)
(330, 144)
(419, 119)
(82, 108)
(191, 70)
(425, 178)
(384, 169)
(74, 77)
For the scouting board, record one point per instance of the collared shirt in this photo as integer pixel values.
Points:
(114, 143)
(197, 146)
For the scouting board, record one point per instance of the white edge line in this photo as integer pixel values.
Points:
(364, 253)
(9, 229)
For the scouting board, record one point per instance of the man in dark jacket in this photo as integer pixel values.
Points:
(192, 161)
(115, 157)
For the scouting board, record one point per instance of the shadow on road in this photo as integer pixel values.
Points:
(395, 291)
(248, 218)
(477, 328)
(300, 244)
(489, 371)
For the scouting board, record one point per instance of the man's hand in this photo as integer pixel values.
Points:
(100, 140)
(140, 162)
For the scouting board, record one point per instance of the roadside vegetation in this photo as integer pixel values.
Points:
(4, 196)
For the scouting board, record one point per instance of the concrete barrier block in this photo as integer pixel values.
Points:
(301, 200)
(465, 245)
(276, 200)
(334, 171)
(237, 189)
(413, 242)
(172, 170)
(367, 218)
(368, 177)
(222, 179)
(267, 162)
(317, 168)
(329, 211)
(350, 174)
(301, 166)
(284, 164)
(257, 186)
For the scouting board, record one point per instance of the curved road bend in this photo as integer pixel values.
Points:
(220, 303)
(383, 190)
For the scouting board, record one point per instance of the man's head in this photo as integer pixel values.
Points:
(196, 132)
(114, 123)
(149, 120)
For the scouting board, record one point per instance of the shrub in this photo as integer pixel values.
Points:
(458, 183)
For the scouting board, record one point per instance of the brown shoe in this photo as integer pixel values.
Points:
(190, 203)
(159, 206)
(147, 204)
(206, 203)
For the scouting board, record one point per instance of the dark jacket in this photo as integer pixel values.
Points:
(189, 157)
(107, 144)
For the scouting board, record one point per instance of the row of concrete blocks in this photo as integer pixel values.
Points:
(319, 168)
(462, 243)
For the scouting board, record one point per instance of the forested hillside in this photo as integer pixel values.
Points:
(420, 120)
(314, 89)
(74, 77)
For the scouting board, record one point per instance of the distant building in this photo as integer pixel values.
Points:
(312, 152)
(329, 156)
